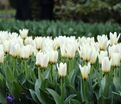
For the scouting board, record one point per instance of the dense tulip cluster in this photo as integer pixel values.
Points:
(45, 49)
(77, 63)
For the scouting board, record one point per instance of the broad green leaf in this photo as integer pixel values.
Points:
(74, 101)
(55, 96)
(33, 95)
(117, 83)
(37, 91)
(67, 100)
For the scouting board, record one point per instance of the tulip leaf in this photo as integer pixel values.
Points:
(9, 75)
(117, 82)
(55, 96)
(38, 84)
(67, 100)
(33, 95)
(74, 101)
(39, 96)
(117, 96)
(2, 91)
(38, 91)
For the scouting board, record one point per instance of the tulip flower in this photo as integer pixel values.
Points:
(38, 42)
(42, 59)
(62, 69)
(93, 56)
(23, 33)
(14, 49)
(6, 45)
(26, 51)
(28, 40)
(106, 64)
(114, 38)
(103, 42)
(101, 55)
(85, 70)
(115, 58)
(47, 44)
(53, 56)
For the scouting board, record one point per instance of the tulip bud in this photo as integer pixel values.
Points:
(62, 69)
(42, 59)
(115, 58)
(25, 51)
(85, 70)
(38, 41)
(28, 40)
(93, 56)
(114, 38)
(68, 50)
(53, 56)
(106, 64)
(103, 42)
(101, 55)
(6, 46)
(14, 49)
(23, 33)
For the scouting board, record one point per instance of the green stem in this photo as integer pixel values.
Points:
(106, 89)
(25, 68)
(84, 90)
(62, 90)
(39, 73)
(51, 72)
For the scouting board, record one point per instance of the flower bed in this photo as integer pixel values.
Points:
(61, 70)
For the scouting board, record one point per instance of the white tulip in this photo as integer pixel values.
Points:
(42, 59)
(63, 51)
(56, 43)
(68, 50)
(101, 55)
(71, 50)
(28, 40)
(6, 45)
(14, 49)
(85, 70)
(93, 56)
(38, 41)
(114, 38)
(13, 35)
(103, 42)
(111, 49)
(115, 58)
(23, 33)
(106, 64)
(62, 69)
(85, 52)
(53, 56)
(47, 44)
(25, 52)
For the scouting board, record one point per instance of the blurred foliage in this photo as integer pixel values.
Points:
(79, 7)
(89, 10)
(85, 10)
(56, 28)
